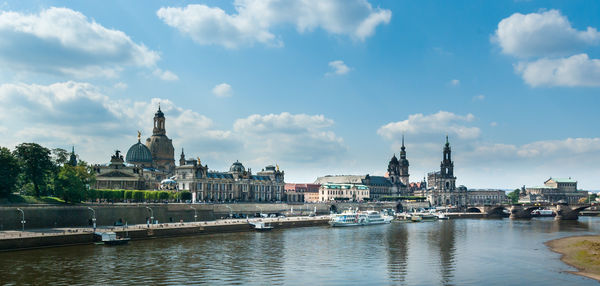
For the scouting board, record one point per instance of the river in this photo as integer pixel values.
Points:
(454, 252)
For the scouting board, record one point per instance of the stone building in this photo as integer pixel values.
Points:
(160, 146)
(118, 175)
(379, 186)
(343, 192)
(554, 190)
(397, 173)
(302, 192)
(442, 189)
(237, 184)
(486, 197)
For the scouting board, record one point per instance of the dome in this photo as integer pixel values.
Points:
(394, 160)
(237, 167)
(138, 153)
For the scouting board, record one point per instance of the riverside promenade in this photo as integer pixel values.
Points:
(52, 237)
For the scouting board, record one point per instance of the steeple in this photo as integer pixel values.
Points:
(447, 166)
(159, 123)
(73, 158)
(182, 158)
(403, 165)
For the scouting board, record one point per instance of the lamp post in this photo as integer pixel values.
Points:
(195, 213)
(230, 210)
(93, 217)
(22, 218)
(151, 215)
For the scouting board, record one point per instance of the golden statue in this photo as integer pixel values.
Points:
(139, 135)
(199, 163)
(277, 167)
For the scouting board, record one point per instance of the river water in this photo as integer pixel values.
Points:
(454, 252)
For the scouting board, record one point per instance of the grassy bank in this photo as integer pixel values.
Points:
(20, 199)
(581, 252)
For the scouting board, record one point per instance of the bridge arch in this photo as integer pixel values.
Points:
(473, 210)
(333, 209)
(399, 208)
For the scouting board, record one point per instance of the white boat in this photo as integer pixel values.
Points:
(260, 226)
(110, 238)
(356, 218)
(442, 216)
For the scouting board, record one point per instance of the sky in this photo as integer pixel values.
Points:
(323, 87)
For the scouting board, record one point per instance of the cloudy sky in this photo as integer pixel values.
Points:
(318, 87)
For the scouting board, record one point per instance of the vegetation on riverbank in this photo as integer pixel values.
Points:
(581, 252)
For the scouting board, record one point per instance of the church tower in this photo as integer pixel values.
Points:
(182, 158)
(403, 165)
(161, 147)
(447, 168)
(394, 170)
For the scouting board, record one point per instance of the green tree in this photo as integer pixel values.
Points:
(9, 171)
(185, 196)
(68, 185)
(36, 164)
(514, 196)
(60, 156)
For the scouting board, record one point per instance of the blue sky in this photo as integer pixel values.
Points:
(323, 87)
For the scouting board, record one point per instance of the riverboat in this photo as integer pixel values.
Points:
(542, 213)
(356, 218)
(261, 226)
(110, 238)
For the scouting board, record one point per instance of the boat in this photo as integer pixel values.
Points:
(416, 218)
(358, 218)
(442, 216)
(542, 213)
(110, 238)
(261, 226)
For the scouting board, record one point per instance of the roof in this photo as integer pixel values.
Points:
(345, 186)
(562, 180)
(341, 179)
(218, 175)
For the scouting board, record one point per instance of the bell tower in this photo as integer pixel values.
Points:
(159, 123)
(403, 165)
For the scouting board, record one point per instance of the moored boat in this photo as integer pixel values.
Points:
(110, 238)
(261, 226)
(357, 218)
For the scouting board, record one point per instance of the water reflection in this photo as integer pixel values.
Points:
(441, 240)
(397, 244)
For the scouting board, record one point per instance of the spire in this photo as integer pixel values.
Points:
(402, 141)
(73, 158)
(447, 143)
(182, 154)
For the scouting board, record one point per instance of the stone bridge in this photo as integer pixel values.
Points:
(523, 211)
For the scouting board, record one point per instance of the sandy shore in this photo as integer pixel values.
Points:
(581, 252)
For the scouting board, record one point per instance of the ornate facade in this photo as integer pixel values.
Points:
(118, 175)
(238, 184)
(554, 190)
(398, 173)
(442, 189)
(160, 146)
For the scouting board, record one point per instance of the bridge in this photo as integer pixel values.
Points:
(523, 211)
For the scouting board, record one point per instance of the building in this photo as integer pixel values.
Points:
(486, 197)
(554, 190)
(343, 192)
(442, 189)
(379, 186)
(118, 175)
(398, 173)
(302, 192)
(160, 146)
(237, 184)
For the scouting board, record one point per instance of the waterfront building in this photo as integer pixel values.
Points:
(397, 173)
(343, 192)
(118, 175)
(486, 197)
(554, 190)
(237, 184)
(379, 186)
(442, 190)
(302, 192)
(160, 146)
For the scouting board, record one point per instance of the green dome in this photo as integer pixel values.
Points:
(138, 153)
(237, 167)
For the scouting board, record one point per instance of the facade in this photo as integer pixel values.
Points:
(398, 173)
(237, 184)
(343, 192)
(554, 190)
(486, 197)
(378, 186)
(118, 175)
(160, 146)
(302, 192)
(442, 190)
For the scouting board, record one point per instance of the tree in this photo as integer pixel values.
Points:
(60, 156)
(68, 185)
(36, 164)
(9, 170)
(514, 196)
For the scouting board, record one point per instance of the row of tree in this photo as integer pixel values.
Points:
(93, 195)
(32, 169)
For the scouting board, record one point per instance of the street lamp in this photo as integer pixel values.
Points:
(151, 215)
(23, 218)
(230, 210)
(93, 217)
(195, 214)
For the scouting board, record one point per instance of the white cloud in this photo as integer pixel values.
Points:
(493, 123)
(546, 33)
(120, 85)
(338, 68)
(223, 90)
(479, 97)
(291, 137)
(66, 42)
(78, 113)
(439, 123)
(254, 20)
(455, 82)
(165, 75)
(577, 70)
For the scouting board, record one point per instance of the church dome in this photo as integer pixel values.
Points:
(394, 160)
(237, 167)
(138, 153)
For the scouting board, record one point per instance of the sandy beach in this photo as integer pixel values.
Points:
(581, 252)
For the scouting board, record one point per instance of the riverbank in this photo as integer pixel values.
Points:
(581, 252)
(41, 238)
